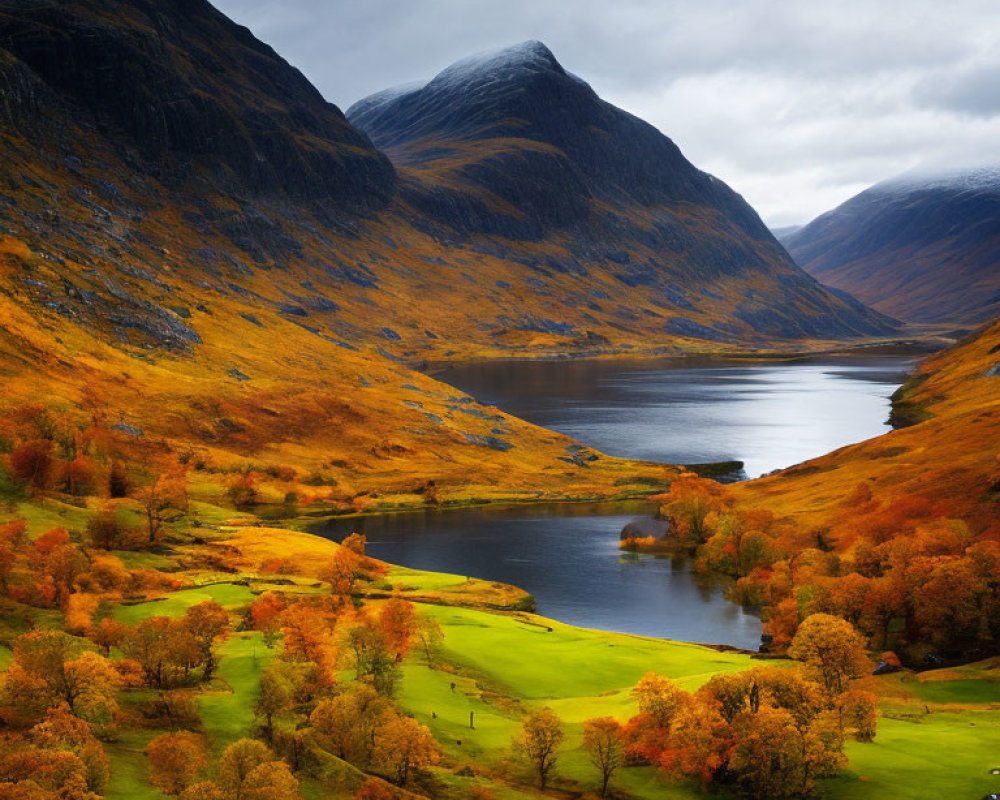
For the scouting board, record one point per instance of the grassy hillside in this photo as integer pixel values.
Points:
(948, 452)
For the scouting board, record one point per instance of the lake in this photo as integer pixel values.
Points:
(766, 414)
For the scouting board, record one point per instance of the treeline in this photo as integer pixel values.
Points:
(766, 733)
(45, 453)
(912, 580)
(68, 691)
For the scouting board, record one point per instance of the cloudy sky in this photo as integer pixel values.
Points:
(797, 104)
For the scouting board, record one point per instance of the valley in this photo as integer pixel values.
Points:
(471, 442)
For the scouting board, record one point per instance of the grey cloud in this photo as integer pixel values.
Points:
(973, 91)
(795, 104)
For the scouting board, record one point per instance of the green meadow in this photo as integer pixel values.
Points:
(496, 665)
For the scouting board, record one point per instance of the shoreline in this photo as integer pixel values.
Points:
(916, 346)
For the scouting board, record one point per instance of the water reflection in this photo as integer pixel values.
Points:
(567, 556)
(767, 414)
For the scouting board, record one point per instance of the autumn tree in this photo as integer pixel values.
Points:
(118, 482)
(348, 565)
(107, 532)
(64, 563)
(32, 463)
(60, 731)
(174, 760)
(91, 681)
(403, 745)
(203, 790)
(265, 616)
(429, 634)
(275, 695)
(688, 504)
(859, 712)
(164, 649)
(164, 493)
(107, 634)
(699, 743)
(236, 764)
(342, 572)
(347, 724)
(604, 741)
(356, 543)
(539, 740)
(58, 759)
(206, 622)
(832, 651)
(768, 760)
(741, 542)
(49, 541)
(105, 573)
(50, 668)
(949, 604)
(13, 536)
(373, 657)
(660, 700)
(659, 697)
(397, 622)
(272, 780)
(77, 477)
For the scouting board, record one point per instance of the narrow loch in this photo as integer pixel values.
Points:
(766, 414)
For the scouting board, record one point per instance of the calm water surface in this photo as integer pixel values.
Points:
(567, 556)
(768, 415)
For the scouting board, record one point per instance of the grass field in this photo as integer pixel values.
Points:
(227, 707)
(503, 664)
(229, 596)
(128, 767)
(941, 739)
(506, 664)
(944, 755)
(971, 690)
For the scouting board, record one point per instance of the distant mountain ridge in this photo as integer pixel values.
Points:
(523, 92)
(923, 247)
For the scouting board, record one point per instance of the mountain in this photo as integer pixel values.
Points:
(198, 251)
(185, 95)
(924, 247)
(508, 144)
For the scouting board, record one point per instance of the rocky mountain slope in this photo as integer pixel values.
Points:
(196, 246)
(920, 247)
(510, 145)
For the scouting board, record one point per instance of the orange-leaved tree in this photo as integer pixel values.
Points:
(175, 759)
(604, 741)
(539, 740)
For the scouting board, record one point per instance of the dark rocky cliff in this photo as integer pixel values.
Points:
(193, 93)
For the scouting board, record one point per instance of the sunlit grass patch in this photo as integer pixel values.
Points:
(228, 595)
